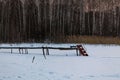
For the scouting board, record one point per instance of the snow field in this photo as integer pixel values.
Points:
(102, 64)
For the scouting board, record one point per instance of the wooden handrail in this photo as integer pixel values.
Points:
(77, 47)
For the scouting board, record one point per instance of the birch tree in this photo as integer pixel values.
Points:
(31, 18)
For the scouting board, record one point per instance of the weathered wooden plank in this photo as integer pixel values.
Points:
(60, 48)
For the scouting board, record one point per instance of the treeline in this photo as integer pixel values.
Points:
(40, 20)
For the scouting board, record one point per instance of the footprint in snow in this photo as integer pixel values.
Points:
(51, 72)
(91, 76)
(19, 77)
(67, 77)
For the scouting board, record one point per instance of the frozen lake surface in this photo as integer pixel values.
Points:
(102, 64)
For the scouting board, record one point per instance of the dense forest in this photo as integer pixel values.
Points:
(40, 20)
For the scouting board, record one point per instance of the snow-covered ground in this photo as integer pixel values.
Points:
(102, 64)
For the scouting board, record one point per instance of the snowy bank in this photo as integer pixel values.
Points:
(102, 64)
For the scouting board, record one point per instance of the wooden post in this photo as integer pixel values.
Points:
(11, 51)
(26, 51)
(78, 47)
(22, 51)
(43, 52)
(77, 52)
(19, 51)
(47, 51)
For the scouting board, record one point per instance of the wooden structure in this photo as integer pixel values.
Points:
(80, 51)
(80, 48)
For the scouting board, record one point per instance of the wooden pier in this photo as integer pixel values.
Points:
(80, 51)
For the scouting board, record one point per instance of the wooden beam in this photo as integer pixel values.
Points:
(43, 52)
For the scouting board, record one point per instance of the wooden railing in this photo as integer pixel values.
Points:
(24, 50)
